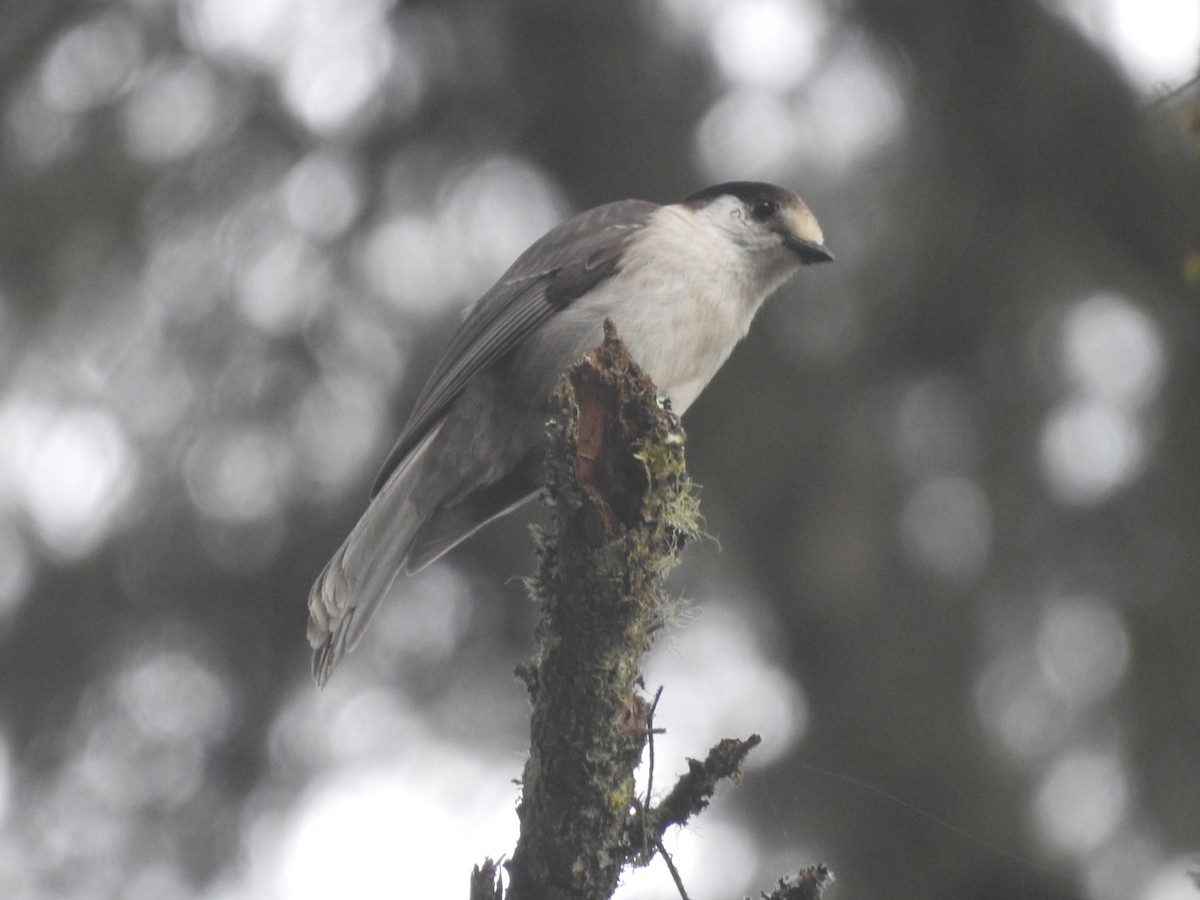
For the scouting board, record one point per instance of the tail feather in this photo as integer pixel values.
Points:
(354, 582)
(419, 514)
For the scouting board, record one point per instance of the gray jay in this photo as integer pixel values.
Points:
(682, 283)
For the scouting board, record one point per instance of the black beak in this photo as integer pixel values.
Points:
(808, 251)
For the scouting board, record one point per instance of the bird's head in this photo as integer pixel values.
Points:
(763, 218)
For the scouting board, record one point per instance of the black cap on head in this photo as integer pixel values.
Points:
(749, 192)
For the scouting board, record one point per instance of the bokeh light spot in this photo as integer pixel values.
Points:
(72, 469)
(336, 427)
(92, 63)
(449, 812)
(1089, 449)
(735, 688)
(857, 106)
(240, 475)
(1156, 40)
(1083, 648)
(748, 133)
(124, 770)
(1153, 40)
(854, 105)
(487, 214)
(172, 696)
(425, 627)
(406, 260)
(172, 112)
(1081, 800)
(182, 277)
(1017, 706)
(322, 195)
(255, 30)
(767, 43)
(947, 527)
(281, 288)
(1123, 868)
(1176, 880)
(332, 73)
(1113, 350)
(493, 210)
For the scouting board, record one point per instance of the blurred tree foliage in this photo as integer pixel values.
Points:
(954, 474)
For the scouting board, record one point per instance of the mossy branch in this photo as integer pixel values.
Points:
(623, 507)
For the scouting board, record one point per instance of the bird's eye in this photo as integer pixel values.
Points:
(762, 210)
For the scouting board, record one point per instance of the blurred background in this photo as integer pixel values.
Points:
(951, 480)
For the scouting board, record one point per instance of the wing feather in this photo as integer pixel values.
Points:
(557, 269)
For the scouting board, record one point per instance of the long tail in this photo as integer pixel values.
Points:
(354, 582)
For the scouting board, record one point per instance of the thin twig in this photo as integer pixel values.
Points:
(1165, 98)
(662, 851)
(650, 738)
(692, 791)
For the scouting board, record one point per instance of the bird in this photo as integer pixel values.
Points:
(682, 283)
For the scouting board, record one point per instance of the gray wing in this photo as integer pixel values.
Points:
(561, 266)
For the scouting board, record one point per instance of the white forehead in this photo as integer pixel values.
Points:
(803, 223)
